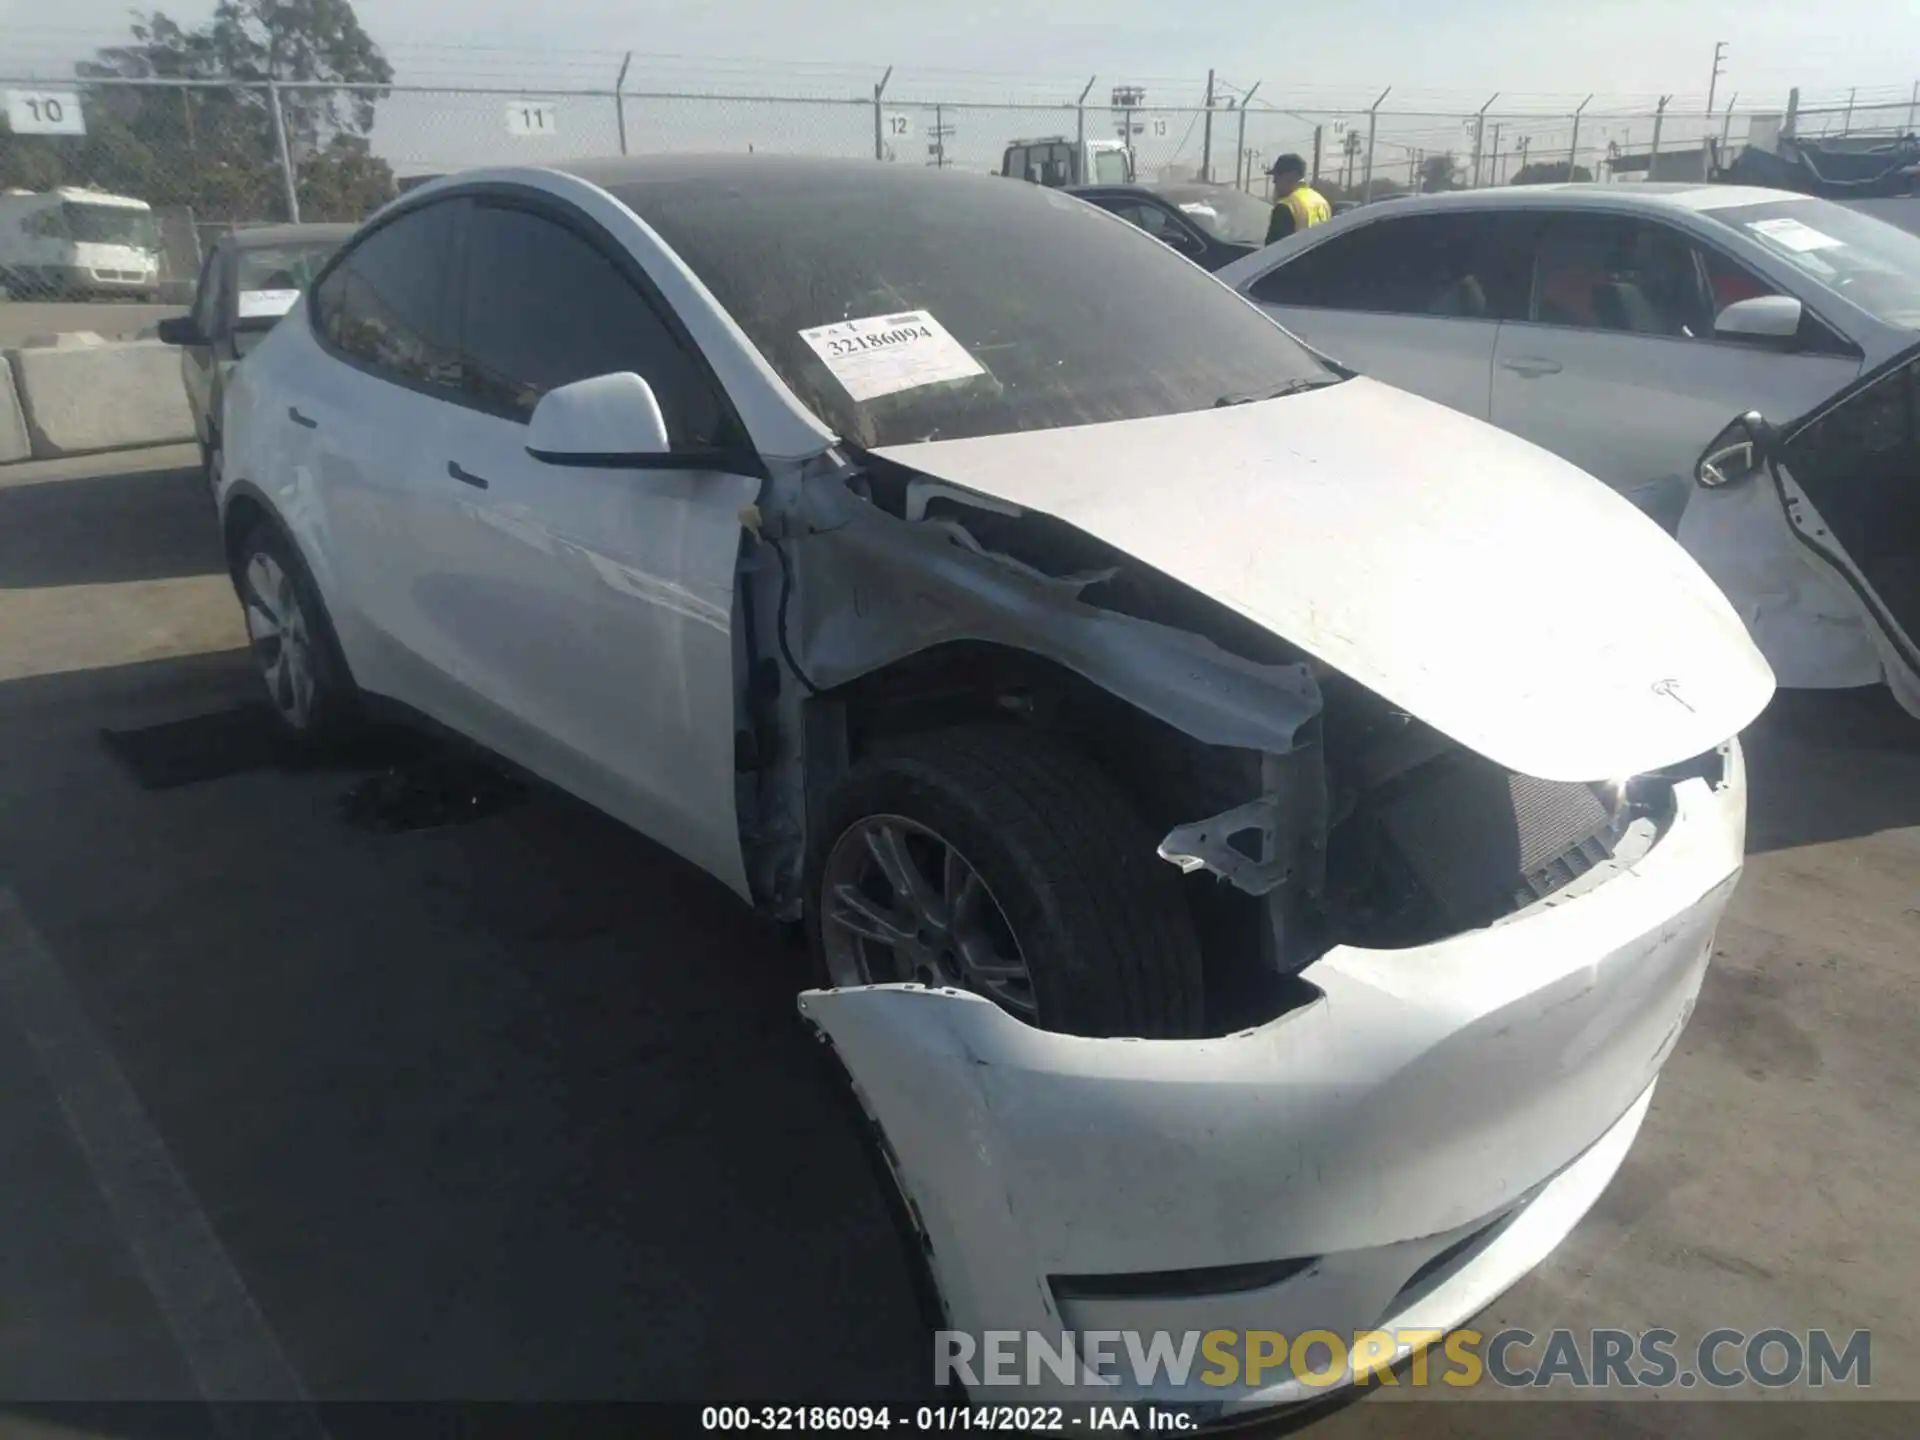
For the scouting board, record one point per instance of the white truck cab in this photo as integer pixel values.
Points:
(56, 244)
(1056, 160)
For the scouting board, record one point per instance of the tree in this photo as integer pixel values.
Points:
(1440, 172)
(214, 149)
(1550, 172)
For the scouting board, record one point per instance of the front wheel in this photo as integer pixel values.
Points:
(294, 649)
(1000, 860)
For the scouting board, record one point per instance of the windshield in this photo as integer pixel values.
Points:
(978, 306)
(1225, 214)
(110, 225)
(1110, 167)
(271, 278)
(1865, 261)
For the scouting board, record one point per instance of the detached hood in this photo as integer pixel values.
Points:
(1473, 580)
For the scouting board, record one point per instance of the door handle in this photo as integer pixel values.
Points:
(465, 476)
(1531, 366)
(294, 415)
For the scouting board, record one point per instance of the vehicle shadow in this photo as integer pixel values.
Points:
(518, 1109)
(142, 525)
(1827, 765)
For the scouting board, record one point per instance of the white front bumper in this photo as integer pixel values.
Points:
(1478, 1092)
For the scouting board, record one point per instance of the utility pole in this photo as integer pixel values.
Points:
(1126, 99)
(937, 142)
(1206, 135)
(879, 128)
(1573, 150)
(1240, 143)
(1373, 116)
(620, 101)
(1525, 141)
(1713, 83)
(1479, 134)
(1351, 147)
(1659, 119)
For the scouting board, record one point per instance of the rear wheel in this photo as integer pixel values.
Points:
(1000, 860)
(294, 650)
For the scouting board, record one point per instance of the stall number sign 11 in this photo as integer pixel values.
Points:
(45, 112)
(531, 117)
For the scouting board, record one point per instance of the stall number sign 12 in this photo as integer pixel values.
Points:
(45, 112)
(530, 117)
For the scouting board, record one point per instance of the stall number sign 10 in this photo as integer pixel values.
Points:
(45, 112)
(531, 117)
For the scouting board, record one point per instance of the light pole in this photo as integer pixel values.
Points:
(1706, 160)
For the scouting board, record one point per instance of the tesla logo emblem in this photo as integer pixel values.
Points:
(1671, 689)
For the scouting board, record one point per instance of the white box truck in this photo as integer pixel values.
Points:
(71, 243)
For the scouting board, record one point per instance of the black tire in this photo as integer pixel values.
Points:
(1099, 918)
(332, 715)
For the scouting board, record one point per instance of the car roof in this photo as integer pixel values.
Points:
(261, 237)
(1669, 196)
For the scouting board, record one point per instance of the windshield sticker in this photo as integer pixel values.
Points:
(890, 353)
(1793, 235)
(262, 304)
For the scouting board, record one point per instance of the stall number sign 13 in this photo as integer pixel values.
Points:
(530, 117)
(45, 112)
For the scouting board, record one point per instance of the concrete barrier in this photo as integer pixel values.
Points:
(82, 394)
(13, 424)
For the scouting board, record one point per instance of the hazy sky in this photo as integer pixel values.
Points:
(1310, 59)
(1321, 53)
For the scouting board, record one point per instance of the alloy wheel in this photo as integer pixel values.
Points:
(901, 903)
(282, 639)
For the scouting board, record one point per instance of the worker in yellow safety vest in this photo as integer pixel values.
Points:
(1296, 204)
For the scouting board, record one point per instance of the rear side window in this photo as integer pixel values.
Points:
(545, 307)
(390, 302)
(1467, 266)
(1611, 272)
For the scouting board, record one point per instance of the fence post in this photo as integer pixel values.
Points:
(1319, 132)
(1206, 135)
(1242, 176)
(1726, 130)
(620, 101)
(879, 127)
(1573, 150)
(1792, 121)
(1080, 117)
(1653, 155)
(1373, 117)
(286, 156)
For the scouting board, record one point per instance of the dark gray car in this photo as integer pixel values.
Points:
(247, 282)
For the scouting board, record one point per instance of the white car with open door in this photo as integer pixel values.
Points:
(1256, 870)
(1616, 325)
(1813, 531)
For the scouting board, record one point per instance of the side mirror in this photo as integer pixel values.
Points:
(1764, 317)
(179, 330)
(1738, 452)
(607, 421)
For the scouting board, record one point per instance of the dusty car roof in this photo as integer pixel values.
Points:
(631, 172)
(260, 237)
(1656, 195)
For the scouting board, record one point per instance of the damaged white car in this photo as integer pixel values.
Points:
(1261, 833)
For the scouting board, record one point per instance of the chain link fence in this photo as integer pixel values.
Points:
(203, 157)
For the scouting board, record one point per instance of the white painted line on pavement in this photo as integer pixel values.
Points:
(224, 1339)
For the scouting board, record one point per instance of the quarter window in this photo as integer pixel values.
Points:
(1609, 272)
(1468, 266)
(545, 307)
(389, 303)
